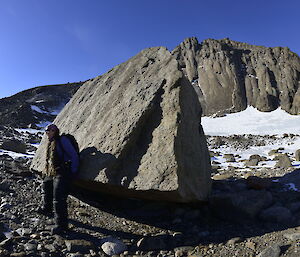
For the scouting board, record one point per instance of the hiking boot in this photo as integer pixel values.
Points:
(45, 212)
(59, 230)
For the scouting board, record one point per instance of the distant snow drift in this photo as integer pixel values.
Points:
(252, 121)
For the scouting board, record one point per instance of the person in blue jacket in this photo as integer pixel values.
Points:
(62, 162)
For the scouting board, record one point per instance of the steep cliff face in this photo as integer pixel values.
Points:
(229, 75)
(36, 105)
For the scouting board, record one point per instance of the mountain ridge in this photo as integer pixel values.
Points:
(227, 75)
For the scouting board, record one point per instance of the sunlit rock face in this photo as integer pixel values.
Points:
(229, 76)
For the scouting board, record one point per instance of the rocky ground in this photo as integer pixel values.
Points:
(253, 211)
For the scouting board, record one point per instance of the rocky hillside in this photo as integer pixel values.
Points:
(254, 210)
(35, 106)
(229, 75)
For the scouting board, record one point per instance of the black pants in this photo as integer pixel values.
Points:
(55, 193)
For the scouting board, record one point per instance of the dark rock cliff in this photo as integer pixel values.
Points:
(35, 105)
(229, 76)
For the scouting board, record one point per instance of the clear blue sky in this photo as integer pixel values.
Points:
(46, 42)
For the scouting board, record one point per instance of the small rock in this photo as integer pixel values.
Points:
(293, 236)
(4, 252)
(79, 245)
(152, 243)
(257, 157)
(229, 157)
(5, 243)
(222, 176)
(35, 236)
(218, 141)
(74, 255)
(283, 161)
(234, 240)
(271, 251)
(177, 234)
(252, 162)
(93, 253)
(179, 253)
(112, 246)
(273, 152)
(20, 254)
(183, 251)
(50, 248)
(251, 245)
(23, 231)
(30, 247)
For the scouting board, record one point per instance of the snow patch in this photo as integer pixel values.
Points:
(252, 121)
(28, 130)
(15, 155)
(55, 111)
(291, 187)
(43, 124)
(37, 109)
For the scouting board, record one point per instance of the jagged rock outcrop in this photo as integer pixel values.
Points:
(138, 127)
(35, 105)
(229, 76)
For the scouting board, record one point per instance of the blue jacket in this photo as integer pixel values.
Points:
(68, 153)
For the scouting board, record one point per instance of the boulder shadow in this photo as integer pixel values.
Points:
(238, 214)
(104, 231)
(94, 160)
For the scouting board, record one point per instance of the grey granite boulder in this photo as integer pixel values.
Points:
(283, 161)
(139, 131)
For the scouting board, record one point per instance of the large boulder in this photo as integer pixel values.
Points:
(139, 131)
